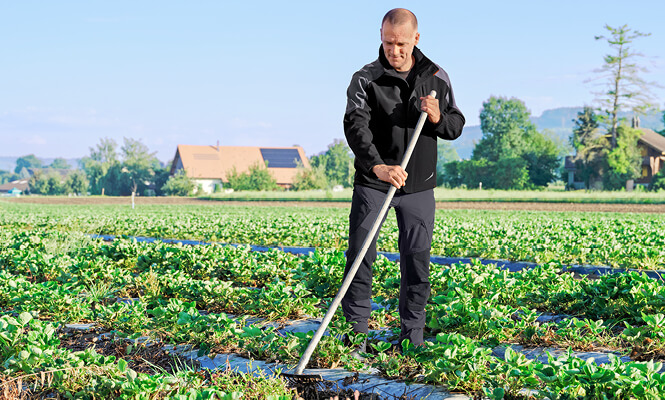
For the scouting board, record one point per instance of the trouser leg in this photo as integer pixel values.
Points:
(415, 219)
(356, 304)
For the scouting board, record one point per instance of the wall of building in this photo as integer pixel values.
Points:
(207, 185)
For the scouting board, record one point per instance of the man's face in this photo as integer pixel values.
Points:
(398, 42)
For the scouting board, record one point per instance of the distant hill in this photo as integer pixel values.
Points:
(558, 120)
(9, 163)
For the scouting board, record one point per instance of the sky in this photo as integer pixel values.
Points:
(267, 73)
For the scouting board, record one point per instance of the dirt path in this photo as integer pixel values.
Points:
(443, 205)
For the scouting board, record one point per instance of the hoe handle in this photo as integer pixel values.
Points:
(363, 250)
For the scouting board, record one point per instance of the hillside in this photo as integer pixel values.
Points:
(9, 163)
(558, 120)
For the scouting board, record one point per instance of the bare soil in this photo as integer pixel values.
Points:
(442, 205)
(145, 358)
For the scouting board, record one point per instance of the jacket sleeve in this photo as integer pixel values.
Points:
(356, 124)
(452, 120)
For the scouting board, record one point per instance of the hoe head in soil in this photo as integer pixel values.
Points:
(302, 379)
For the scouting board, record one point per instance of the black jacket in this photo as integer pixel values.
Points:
(381, 115)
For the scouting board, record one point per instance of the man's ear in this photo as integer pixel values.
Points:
(417, 38)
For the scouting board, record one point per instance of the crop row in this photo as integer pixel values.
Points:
(619, 240)
(184, 294)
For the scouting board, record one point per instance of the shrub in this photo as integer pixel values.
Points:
(178, 185)
(310, 178)
(256, 178)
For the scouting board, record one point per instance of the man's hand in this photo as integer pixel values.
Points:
(393, 174)
(430, 105)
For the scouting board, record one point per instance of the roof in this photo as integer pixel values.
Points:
(653, 139)
(569, 164)
(214, 162)
(21, 184)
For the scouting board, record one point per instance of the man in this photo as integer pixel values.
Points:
(384, 100)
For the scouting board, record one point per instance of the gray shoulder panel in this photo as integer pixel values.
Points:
(357, 92)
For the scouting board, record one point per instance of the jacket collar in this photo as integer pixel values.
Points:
(421, 63)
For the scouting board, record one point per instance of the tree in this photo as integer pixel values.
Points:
(256, 178)
(658, 181)
(138, 163)
(162, 175)
(506, 126)
(29, 161)
(310, 178)
(47, 182)
(102, 158)
(543, 158)
(178, 185)
(624, 161)
(509, 134)
(76, 182)
(337, 163)
(623, 87)
(445, 153)
(590, 146)
(7, 176)
(60, 163)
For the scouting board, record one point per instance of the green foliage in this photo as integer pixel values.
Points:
(134, 172)
(658, 181)
(623, 87)
(48, 182)
(506, 173)
(624, 161)
(445, 153)
(510, 136)
(139, 165)
(257, 177)
(543, 159)
(474, 307)
(76, 182)
(7, 176)
(310, 178)
(591, 148)
(506, 127)
(29, 161)
(60, 163)
(337, 163)
(178, 185)
(102, 158)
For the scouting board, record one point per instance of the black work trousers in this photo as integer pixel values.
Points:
(415, 220)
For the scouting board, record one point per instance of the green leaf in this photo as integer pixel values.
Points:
(131, 375)
(498, 393)
(122, 365)
(25, 317)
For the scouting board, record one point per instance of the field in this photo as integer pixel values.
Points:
(142, 301)
(549, 195)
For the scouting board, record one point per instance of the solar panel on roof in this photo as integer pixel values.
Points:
(281, 158)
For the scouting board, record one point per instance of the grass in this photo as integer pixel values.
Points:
(550, 195)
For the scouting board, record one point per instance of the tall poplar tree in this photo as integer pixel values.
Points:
(623, 87)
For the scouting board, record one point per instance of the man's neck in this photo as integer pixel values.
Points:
(408, 68)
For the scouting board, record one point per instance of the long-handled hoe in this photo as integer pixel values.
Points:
(298, 378)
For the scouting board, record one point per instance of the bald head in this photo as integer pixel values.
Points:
(399, 16)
